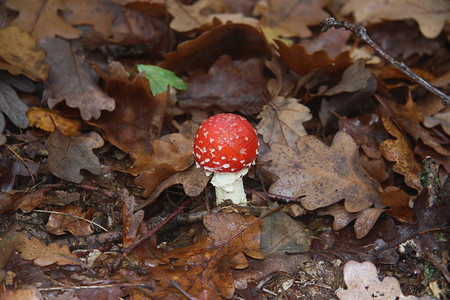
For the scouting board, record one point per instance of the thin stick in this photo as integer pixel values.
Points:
(72, 216)
(361, 33)
(178, 287)
(21, 159)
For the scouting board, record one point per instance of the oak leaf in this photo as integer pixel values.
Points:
(71, 81)
(230, 85)
(12, 106)
(130, 219)
(399, 151)
(324, 175)
(363, 283)
(370, 11)
(20, 56)
(50, 120)
(440, 118)
(292, 18)
(70, 220)
(282, 121)
(40, 18)
(67, 155)
(354, 78)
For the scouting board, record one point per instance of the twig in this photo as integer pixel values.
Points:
(72, 216)
(21, 159)
(86, 187)
(361, 33)
(104, 286)
(178, 287)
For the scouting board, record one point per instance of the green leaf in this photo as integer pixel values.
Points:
(160, 78)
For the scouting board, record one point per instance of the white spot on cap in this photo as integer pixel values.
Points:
(207, 160)
(223, 157)
(198, 155)
(216, 163)
(232, 170)
(226, 166)
(205, 134)
(220, 148)
(243, 151)
(211, 140)
(246, 138)
(234, 159)
(242, 161)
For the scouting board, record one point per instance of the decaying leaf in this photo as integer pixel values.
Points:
(130, 219)
(205, 267)
(400, 152)
(354, 78)
(230, 85)
(324, 175)
(59, 224)
(70, 81)
(12, 200)
(12, 106)
(440, 118)
(137, 120)
(67, 155)
(50, 120)
(282, 121)
(18, 50)
(369, 11)
(40, 18)
(365, 219)
(190, 17)
(363, 283)
(170, 154)
(399, 203)
(292, 18)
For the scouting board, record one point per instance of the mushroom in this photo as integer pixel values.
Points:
(226, 145)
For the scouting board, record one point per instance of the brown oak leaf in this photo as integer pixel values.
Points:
(69, 220)
(324, 175)
(70, 81)
(282, 121)
(67, 155)
(40, 18)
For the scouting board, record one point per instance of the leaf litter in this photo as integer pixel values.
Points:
(97, 128)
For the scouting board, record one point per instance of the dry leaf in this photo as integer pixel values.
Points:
(365, 219)
(170, 154)
(130, 219)
(292, 18)
(363, 283)
(70, 81)
(18, 50)
(324, 175)
(374, 11)
(354, 78)
(399, 203)
(400, 152)
(44, 255)
(40, 18)
(12, 106)
(229, 84)
(59, 224)
(282, 121)
(441, 118)
(50, 120)
(67, 155)
(137, 120)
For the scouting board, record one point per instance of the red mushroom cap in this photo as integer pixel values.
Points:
(225, 143)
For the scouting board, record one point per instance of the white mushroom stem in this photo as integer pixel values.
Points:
(229, 186)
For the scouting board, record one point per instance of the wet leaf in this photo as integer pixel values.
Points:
(12, 106)
(282, 121)
(71, 81)
(354, 78)
(67, 155)
(40, 18)
(325, 175)
(18, 50)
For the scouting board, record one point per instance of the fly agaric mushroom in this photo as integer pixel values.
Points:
(226, 145)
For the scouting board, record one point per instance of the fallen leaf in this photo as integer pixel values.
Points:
(193, 180)
(170, 154)
(363, 283)
(399, 203)
(229, 85)
(300, 61)
(2, 127)
(324, 175)
(240, 41)
(282, 121)
(354, 78)
(160, 79)
(130, 219)
(137, 120)
(369, 11)
(40, 18)
(45, 255)
(12, 106)
(67, 155)
(283, 84)
(70, 81)
(191, 17)
(377, 168)
(50, 120)
(59, 224)
(399, 152)
(441, 118)
(20, 55)
(30, 293)
(365, 219)
(12, 200)
(292, 18)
